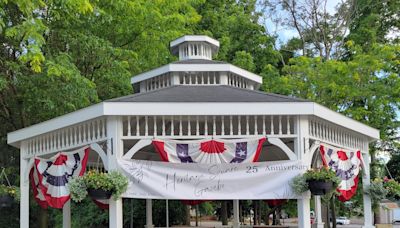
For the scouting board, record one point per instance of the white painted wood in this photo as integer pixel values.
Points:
(367, 203)
(318, 215)
(114, 133)
(236, 221)
(303, 210)
(139, 145)
(215, 67)
(102, 154)
(24, 189)
(278, 142)
(149, 214)
(67, 214)
(154, 108)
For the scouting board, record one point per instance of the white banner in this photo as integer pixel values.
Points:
(193, 181)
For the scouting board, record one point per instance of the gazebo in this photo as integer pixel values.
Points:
(194, 98)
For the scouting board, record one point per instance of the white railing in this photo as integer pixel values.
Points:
(199, 78)
(336, 135)
(237, 81)
(141, 127)
(158, 82)
(67, 138)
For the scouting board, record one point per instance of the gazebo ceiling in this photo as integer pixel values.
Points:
(211, 93)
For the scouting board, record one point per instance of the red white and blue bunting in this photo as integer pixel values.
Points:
(347, 165)
(208, 151)
(49, 177)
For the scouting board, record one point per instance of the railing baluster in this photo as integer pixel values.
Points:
(247, 126)
(280, 125)
(214, 126)
(180, 126)
(146, 126)
(222, 125)
(231, 125)
(129, 126)
(163, 125)
(255, 126)
(137, 126)
(272, 125)
(197, 126)
(263, 125)
(189, 125)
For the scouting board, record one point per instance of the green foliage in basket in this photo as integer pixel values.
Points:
(112, 181)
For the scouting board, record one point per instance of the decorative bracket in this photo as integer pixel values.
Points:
(139, 145)
(96, 147)
(278, 142)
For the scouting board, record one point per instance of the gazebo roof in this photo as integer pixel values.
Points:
(211, 93)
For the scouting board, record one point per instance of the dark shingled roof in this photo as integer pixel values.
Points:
(201, 93)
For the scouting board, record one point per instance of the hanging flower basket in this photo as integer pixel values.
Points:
(7, 195)
(320, 181)
(99, 193)
(6, 201)
(320, 187)
(98, 185)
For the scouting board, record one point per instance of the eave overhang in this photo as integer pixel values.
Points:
(223, 67)
(191, 108)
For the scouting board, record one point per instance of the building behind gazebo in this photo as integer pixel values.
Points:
(194, 98)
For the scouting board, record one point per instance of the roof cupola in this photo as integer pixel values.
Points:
(194, 47)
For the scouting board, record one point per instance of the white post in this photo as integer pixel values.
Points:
(236, 222)
(67, 214)
(318, 215)
(303, 211)
(114, 145)
(24, 189)
(149, 214)
(302, 147)
(368, 214)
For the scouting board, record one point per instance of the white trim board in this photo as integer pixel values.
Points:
(222, 67)
(189, 108)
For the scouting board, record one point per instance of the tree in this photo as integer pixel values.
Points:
(321, 32)
(235, 25)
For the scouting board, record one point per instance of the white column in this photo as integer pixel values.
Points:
(67, 214)
(301, 147)
(318, 213)
(236, 222)
(368, 214)
(303, 211)
(114, 145)
(149, 214)
(24, 189)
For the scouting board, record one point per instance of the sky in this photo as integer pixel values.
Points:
(284, 33)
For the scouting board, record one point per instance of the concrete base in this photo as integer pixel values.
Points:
(318, 225)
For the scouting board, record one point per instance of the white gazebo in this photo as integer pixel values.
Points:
(194, 98)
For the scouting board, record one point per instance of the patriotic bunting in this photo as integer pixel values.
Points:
(347, 165)
(49, 177)
(209, 151)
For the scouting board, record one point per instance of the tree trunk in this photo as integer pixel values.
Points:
(333, 212)
(197, 215)
(224, 212)
(187, 213)
(44, 218)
